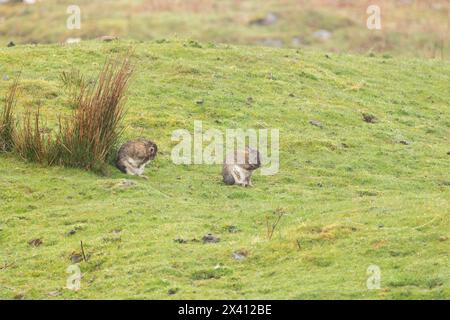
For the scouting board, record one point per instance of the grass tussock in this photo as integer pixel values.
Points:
(87, 138)
(7, 119)
(31, 143)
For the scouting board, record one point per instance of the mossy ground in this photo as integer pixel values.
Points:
(353, 194)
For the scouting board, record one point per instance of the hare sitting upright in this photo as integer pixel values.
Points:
(239, 166)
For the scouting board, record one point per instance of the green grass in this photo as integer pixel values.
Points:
(352, 193)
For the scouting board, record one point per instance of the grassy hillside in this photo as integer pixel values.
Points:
(354, 193)
(413, 28)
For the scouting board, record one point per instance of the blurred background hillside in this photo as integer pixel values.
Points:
(409, 27)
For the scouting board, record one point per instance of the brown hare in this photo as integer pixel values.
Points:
(238, 167)
(134, 155)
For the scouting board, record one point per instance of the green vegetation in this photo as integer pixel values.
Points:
(88, 138)
(414, 28)
(7, 119)
(355, 191)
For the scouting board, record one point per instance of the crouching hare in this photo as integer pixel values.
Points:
(134, 155)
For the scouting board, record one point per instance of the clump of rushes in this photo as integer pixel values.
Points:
(7, 119)
(88, 137)
(31, 143)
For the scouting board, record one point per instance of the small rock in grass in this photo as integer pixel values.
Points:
(443, 238)
(369, 118)
(209, 238)
(5, 77)
(35, 242)
(239, 255)
(404, 142)
(71, 232)
(11, 44)
(272, 42)
(322, 35)
(316, 123)
(200, 102)
(55, 293)
(108, 38)
(172, 291)
(76, 257)
(448, 153)
(19, 296)
(270, 19)
(297, 41)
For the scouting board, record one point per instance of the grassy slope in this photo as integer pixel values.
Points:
(353, 194)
